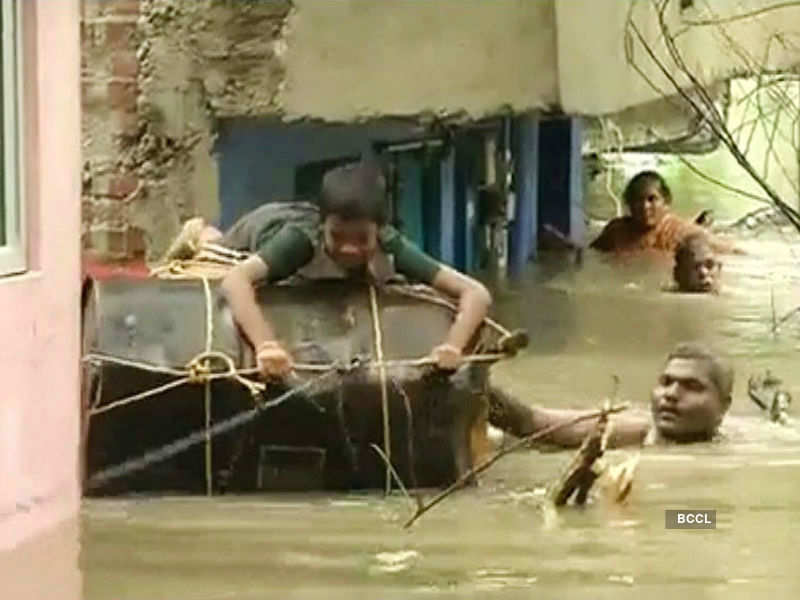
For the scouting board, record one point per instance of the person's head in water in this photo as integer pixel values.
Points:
(697, 268)
(353, 208)
(648, 198)
(692, 395)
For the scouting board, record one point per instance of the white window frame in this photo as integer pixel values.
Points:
(13, 254)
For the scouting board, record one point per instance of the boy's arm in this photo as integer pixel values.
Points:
(473, 304)
(239, 289)
(473, 298)
(278, 258)
(238, 286)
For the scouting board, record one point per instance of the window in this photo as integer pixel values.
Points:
(12, 238)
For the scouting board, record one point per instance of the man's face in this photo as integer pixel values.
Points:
(350, 242)
(649, 207)
(685, 402)
(699, 271)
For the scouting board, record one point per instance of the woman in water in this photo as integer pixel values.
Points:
(651, 225)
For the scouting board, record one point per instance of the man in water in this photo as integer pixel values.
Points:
(346, 235)
(650, 225)
(688, 404)
(697, 267)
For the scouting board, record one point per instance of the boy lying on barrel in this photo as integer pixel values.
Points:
(345, 235)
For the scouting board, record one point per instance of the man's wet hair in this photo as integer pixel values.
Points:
(355, 191)
(719, 369)
(639, 182)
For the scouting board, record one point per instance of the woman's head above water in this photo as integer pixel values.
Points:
(647, 197)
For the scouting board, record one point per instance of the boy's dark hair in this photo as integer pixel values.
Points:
(641, 181)
(689, 245)
(719, 369)
(355, 191)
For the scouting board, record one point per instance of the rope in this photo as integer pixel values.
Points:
(190, 269)
(140, 396)
(195, 373)
(425, 361)
(412, 461)
(427, 297)
(96, 358)
(211, 261)
(378, 334)
(207, 391)
(209, 471)
(194, 438)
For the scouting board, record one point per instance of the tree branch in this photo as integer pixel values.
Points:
(740, 16)
(461, 481)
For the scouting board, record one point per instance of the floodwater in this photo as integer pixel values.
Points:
(587, 323)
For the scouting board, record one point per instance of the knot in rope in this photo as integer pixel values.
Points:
(199, 370)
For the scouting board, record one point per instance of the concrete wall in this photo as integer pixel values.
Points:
(357, 58)
(39, 310)
(595, 78)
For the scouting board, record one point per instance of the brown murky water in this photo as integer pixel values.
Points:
(586, 324)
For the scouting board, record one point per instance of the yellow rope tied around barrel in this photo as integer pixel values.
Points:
(195, 372)
(207, 395)
(211, 261)
(378, 334)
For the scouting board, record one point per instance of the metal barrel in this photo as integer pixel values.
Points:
(141, 334)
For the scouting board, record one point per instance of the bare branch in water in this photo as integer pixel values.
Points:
(469, 475)
(777, 325)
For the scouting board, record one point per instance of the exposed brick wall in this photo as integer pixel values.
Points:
(109, 83)
(157, 74)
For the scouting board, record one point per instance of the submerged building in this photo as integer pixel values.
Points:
(482, 109)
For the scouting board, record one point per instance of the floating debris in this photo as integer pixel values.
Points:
(395, 562)
(626, 579)
(583, 470)
(767, 392)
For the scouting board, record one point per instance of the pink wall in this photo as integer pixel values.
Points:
(39, 311)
